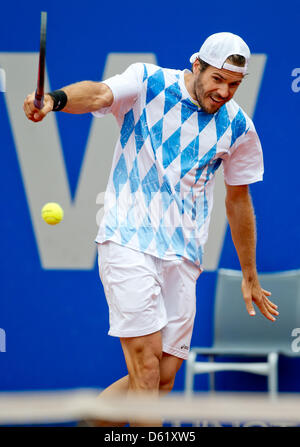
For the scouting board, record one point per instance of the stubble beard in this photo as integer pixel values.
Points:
(200, 95)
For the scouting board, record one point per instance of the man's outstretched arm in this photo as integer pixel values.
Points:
(82, 97)
(241, 219)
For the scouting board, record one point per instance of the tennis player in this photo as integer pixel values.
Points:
(176, 129)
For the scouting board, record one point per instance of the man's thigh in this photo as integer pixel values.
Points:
(133, 291)
(179, 293)
(143, 355)
(147, 350)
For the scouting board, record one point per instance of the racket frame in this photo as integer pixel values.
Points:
(39, 93)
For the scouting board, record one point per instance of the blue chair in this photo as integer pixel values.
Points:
(238, 334)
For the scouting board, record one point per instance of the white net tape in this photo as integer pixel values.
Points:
(81, 404)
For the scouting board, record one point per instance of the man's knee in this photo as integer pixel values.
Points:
(146, 375)
(143, 356)
(167, 379)
(169, 367)
(166, 386)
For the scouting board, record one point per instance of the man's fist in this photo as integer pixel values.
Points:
(32, 112)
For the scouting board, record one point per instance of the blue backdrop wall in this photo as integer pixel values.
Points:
(55, 318)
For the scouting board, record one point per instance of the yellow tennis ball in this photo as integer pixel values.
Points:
(52, 213)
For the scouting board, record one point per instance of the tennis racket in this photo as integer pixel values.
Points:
(39, 93)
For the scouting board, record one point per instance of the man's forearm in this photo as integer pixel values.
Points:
(86, 96)
(82, 97)
(241, 219)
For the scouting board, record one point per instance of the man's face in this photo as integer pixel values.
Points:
(214, 87)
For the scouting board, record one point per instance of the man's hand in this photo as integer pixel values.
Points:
(241, 219)
(32, 112)
(253, 293)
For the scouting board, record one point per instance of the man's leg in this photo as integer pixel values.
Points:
(168, 366)
(143, 355)
(118, 387)
(140, 273)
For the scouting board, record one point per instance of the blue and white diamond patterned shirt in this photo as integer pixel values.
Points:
(160, 190)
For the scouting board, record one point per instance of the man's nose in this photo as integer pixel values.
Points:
(223, 90)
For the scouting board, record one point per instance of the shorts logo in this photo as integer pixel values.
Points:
(184, 347)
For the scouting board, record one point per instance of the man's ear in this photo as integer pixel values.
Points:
(195, 66)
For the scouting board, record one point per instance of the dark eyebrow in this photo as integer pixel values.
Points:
(218, 74)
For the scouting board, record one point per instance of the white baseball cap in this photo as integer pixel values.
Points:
(218, 47)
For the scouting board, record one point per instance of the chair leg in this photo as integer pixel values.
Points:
(189, 373)
(273, 374)
(212, 375)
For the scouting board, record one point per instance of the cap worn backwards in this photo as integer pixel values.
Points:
(218, 47)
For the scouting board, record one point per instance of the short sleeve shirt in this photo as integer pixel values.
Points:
(160, 190)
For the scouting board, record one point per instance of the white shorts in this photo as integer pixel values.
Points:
(146, 294)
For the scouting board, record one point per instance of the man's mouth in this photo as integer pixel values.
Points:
(216, 101)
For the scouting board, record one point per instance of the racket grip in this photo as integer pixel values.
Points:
(38, 101)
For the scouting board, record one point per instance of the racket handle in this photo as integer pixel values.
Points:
(39, 101)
